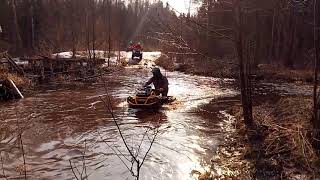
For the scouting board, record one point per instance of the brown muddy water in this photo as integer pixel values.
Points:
(59, 122)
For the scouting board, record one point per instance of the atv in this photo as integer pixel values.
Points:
(136, 54)
(148, 98)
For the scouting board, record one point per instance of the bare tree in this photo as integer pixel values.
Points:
(244, 77)
(23, 157)
(17, 37)
(136, 157)
(73, 27)
(241, 45)
(80, 174)
(93, 20)
(315, 122)
(109, 31)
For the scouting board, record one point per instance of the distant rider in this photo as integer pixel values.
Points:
(131, 46)
(136, 49)
(159, 81)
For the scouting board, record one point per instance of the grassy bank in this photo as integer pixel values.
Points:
(263, 72)
(23, 83)
(198, 67)
(277, 146)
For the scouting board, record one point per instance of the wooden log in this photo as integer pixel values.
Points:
(15, 89)
(15, 66)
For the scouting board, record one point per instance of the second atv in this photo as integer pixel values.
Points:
(136, 54)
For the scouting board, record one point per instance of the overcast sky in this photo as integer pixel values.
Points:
(182, 5)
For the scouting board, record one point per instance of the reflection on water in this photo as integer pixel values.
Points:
(60, 120)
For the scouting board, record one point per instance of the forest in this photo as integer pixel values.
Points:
(238, 98)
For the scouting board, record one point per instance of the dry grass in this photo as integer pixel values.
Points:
(279, 141)
(165, 62)
(277, 146)
(20, 81)
(198, 66)
(287, 135)
(278, 73)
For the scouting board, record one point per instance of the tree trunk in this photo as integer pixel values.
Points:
(17, 37)
(243, 76)
(258, 42)
(30, 25)
(93, 30)
(291, 42)
(109, 31)
(88, 30)
(277, 53)
(272, 36)
(316, 123)
(73, 29)
(208, 26)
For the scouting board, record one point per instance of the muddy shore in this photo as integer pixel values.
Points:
(278, 145)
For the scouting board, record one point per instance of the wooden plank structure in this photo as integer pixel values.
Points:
(46, 67)
(11, 63)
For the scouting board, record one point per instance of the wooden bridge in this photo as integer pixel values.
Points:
(46, 67)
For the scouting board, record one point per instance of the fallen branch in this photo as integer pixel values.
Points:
(23, 156)
(83, 174)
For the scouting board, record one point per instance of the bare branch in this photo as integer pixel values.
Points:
(23, 156)
(139, 147)
(110, 109)
(2, 166)
(146, 154)
(103, 140)
(74, 174)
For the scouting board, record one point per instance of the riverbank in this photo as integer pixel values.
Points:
(285, 148)
(23, 83)
(195, 67)
(278, 145)
(73, 75)
(223, 69)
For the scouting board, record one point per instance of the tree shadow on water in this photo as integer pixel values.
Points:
(150, 116)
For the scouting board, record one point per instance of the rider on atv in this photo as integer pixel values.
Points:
(136, 50)
(159, 81)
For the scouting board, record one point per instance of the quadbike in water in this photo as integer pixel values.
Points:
(137, 54)
(148, 98)
(135, 58)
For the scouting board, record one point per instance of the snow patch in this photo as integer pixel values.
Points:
(147, 60)
(62, 55)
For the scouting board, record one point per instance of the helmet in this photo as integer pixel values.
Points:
(156, 72)
(131, 42)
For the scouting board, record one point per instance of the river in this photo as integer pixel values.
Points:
(59, 122)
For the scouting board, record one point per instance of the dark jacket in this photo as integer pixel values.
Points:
(159, 82)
